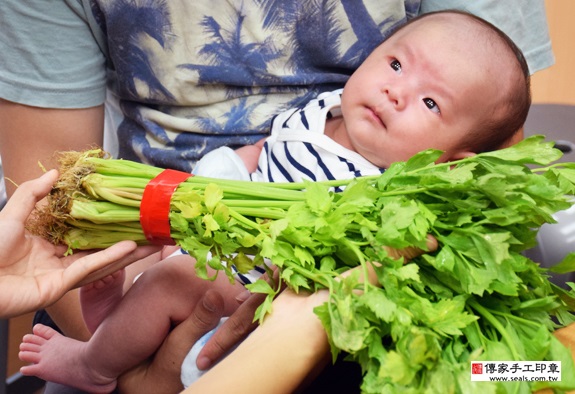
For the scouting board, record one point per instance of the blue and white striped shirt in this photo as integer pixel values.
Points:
(298, 149)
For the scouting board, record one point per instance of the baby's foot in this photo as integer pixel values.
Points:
(59, 359)
(99, 298)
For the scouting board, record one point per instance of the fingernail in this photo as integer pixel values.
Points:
(208, 304)
(203, 363)
(243, 296)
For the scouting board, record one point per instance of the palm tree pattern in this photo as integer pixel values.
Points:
(191, 76)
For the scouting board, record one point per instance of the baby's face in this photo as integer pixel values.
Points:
(425, 87)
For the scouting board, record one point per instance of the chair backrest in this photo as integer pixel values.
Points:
(557, 123)
(555, 241)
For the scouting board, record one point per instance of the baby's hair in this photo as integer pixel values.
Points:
(493, 133)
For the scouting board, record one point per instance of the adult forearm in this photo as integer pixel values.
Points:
(29, 135)
(290, 345)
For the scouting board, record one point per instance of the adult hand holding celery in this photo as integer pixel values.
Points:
(477, 297)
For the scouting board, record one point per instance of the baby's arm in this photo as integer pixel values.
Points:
(250, 154)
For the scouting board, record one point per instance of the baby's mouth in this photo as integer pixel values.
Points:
(376, 115)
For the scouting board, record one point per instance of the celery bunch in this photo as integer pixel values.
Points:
(476, 298)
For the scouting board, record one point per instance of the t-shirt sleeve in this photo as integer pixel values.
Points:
(50, 57)
(525, 21)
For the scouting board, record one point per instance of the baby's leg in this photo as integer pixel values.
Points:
(162, 297)
(99, 298)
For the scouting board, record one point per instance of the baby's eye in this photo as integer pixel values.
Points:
(431, 105)
(396, 65)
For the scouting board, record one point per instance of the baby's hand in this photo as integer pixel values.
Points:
(250, 154)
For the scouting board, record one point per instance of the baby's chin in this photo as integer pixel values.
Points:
(380, 163)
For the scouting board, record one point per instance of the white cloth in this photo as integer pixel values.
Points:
(222, 163)
(190, 372)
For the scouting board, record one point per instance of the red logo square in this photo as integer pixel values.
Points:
(477, 368)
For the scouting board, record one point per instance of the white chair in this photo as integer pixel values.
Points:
(555, 241)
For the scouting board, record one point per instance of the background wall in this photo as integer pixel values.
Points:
(556, 84)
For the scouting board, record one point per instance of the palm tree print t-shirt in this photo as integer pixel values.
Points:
(191, 76)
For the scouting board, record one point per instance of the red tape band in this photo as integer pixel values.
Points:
(155, 206)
